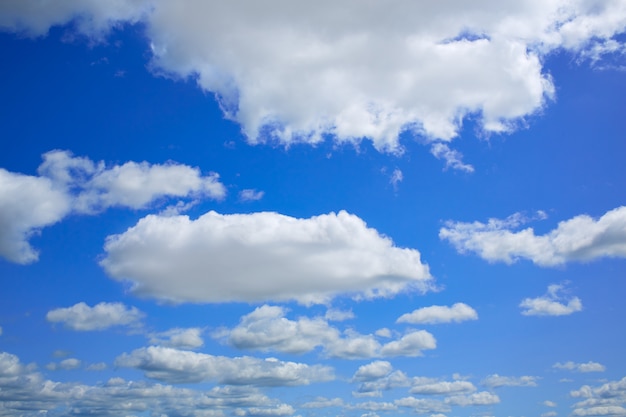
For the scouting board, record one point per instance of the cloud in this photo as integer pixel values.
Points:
(551, 304)
(267, 328)
(608, 399)
(280, 410)
(322, 402)
(396, 178)
(423, 406)
(333, 314)
(427, 386)
(251, 195)
(495, 381)
(440, 314)
(179, 338)
(611, 410)
(581, 238)
(479, 398)
(580, 367)
(421, 68)
(67, 184)
(25, 392)
(372, 371)
(261, 256)
(27, 204)
(66, 364)
(549, 403)
(180, 366)
(453, 158)
(82, 317)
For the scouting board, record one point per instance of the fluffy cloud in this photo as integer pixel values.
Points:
(495, 381)
(68, 184)
(251, 195)
(267, 328)
(551, 304)
(370, 72)
(261, 256)
(423, 406)
(180, 366)
(99, 317)
(427, 386)
(26, 393)
(27, 204)
(608, 399)
(322, 402)
(66, 364)
(372, 371)
(440, 314)
(581, 238)
(580, 367)
(179, 338)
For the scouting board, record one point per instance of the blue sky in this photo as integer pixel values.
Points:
(312, 210)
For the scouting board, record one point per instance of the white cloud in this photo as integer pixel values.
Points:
(549, 414)
(181, 366)
(67, 184)
(422, 406)
(322, 402)
(495, 381)
(426, 386)
(267, 328)
(608, 399)
(25, 392)
(611, 410)
(251, 195)
(423, 67)
(100, 366)
(452, 158)
(581, 238)
(280, 410)
(99, 317)
(333, 314)
(549, 403)
(179, 338)
(551, 304)
(372, 371)
(261, 256)
(479, 398)
(27, 204)
(66, 364)
(396, 178)
(440, 314)
(580, 367)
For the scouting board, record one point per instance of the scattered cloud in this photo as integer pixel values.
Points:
(452, 158)
(265, 256)
(267, 328)
(66, 364)
(250, 195)
(423, 406)
(479, 398)
(549, 414)
(607, 399)
(396, 178)
(580, 367)
(549, 403)
(179, 338)
(440, 314)
(67, 184)
(495, 381)
(551, 304)
(102, 316)
(333, 314)
(182, 366)
(427, 386)
(581, 238)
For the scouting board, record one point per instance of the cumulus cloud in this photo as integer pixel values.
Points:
(479, 398)
(267, 328)
(66, 364)
(25, 392)
(607, 399)
(495, 381)
(82, 317)
(261, 256)
(179, 338)
(580, 367)
(181, 366)
(428, 386)
(581, 238)
(423, 406)
(370, 72)
(322, 402)
(551, 304)
(440, 314)
(67, 184)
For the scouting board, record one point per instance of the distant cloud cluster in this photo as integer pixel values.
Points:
(421, 68)
(68, 184)
(260, 257)
(580, 367)
(581, 238)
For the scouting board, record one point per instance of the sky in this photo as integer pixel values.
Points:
(287, 208)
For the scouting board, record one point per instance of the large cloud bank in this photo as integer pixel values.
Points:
(295, 71)
(261, 256)
(69, 184)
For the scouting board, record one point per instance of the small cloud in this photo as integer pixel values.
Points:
(549, 414)
(61, 353)
(551, 304)
(384, 332)
(452, 158)
(549, 403)
(440, 314)
(82, 317)
(100, 366)
(495, 381)
(580, 367)
(179, 338)
(396, 178)
(338, 315)
(251, 195)
(66, 365)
